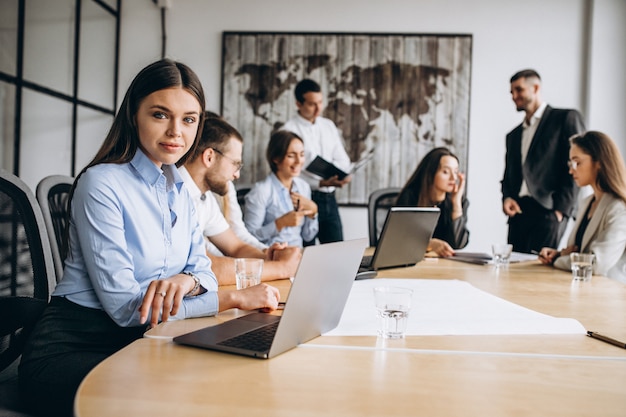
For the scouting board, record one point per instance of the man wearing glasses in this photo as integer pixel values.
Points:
(538, 194)
(215, 163)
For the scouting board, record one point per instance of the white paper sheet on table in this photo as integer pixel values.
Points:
(448, 307)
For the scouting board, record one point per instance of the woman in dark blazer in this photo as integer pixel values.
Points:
(600, 226)
(438, 182)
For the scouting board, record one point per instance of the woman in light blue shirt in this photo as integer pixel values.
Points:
(279, 208)
(136, 253)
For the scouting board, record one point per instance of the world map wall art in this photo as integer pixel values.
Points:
(394, 97)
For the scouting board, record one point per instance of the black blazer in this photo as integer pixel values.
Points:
(545, 168)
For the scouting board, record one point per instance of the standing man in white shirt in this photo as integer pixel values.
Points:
(321, 137)
(216, 162)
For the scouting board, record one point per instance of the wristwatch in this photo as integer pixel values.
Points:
(195, 288)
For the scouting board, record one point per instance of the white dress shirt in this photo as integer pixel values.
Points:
(528, 132)
(320, 138)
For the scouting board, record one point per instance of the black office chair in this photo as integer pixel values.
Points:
(242, 190)
(52, 194)
(379, 203)
(27, 278)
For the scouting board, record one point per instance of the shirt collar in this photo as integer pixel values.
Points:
(536, 115)
(281, 186)
(151, 173)
(192, 187)
(304, 121)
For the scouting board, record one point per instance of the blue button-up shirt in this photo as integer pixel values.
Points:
(268, 200)
(131, 224)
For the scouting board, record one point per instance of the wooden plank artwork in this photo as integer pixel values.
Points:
(396, 95)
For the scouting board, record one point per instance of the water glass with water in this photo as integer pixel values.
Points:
(582, 265)
(248, 272)
(501, 253)
(392, 309)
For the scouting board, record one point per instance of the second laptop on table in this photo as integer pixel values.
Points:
(404, 238)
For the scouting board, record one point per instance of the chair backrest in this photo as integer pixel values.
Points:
(27, 274)
(242, 190)
(379, 203)
(52, 194)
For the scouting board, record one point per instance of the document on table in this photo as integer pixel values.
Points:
(448, 307)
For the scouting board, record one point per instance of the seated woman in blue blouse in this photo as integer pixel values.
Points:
(600, 228)
(438, 182)
(136, 253)
(279, 208)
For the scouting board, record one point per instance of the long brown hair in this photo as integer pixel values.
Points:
(122, 141)
(603, 150)
(421, 182)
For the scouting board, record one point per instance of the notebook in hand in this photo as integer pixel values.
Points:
(404, 238)
(316, 300)
(323, 168)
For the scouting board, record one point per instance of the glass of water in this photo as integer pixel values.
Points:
(392, 309)
(501, 253)
(582, 265)
(248, 272)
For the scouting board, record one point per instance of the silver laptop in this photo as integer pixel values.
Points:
(404, 238)
(316, 300)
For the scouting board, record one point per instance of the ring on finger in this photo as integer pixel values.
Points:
(162, 294)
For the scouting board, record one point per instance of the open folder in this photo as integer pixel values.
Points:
(323, 168)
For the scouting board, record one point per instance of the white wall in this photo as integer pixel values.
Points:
(508, 35)
(607, 89)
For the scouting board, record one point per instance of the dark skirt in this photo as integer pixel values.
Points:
(68, 341)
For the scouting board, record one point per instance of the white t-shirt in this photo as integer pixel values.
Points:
(208, 213)
(235, 220)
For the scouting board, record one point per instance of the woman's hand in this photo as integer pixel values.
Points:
(301, 203)
(547, 256)
(261, 296)
(568, 250)
(459, 189)
(164, 297)
(291, 219)
(440, 247)
(457, 197)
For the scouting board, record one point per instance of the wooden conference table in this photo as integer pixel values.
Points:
(521, 375)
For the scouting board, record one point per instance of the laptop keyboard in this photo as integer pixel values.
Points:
(366, 261)
(259, 340)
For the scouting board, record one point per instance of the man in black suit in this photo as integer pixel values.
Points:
(538, 194)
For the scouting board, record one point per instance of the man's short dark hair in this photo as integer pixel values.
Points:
(306, 86)
(527, 73)
(216, 134)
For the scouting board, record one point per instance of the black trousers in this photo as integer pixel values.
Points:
(535, 227)
(330, 229)
(68, 341)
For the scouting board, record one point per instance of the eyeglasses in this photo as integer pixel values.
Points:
(573, 164)
(236, 164)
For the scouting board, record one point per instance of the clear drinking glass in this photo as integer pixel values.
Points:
(392, 308)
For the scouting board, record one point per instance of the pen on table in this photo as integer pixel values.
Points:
(607, 339)
(534, 252)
